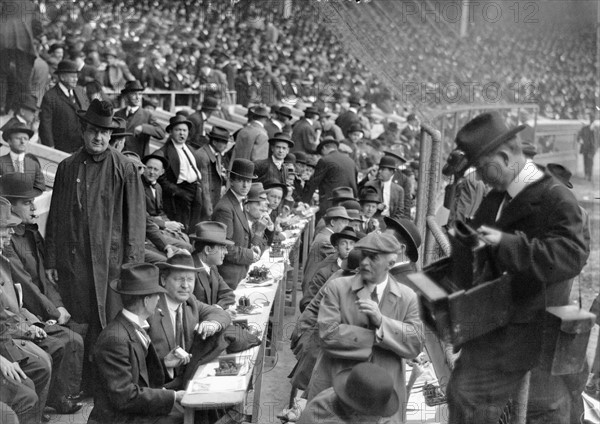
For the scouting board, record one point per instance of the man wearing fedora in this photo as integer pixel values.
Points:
(198, 136)
(252, 141)
(131, 375)
(280, 121)
(18, 160)
(534, 227)
(362, 394)
(95, 223)
(230, 210)
(304, 133)
(210, 248)
(333, 170)
(271, 169)
(25, 114)
(180, 316)
(213, 168)
(60, 126)
(182, 181)
(140, 122)
(370, 317)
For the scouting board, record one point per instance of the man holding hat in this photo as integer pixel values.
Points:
(198, 135)
(60, 126)
(182, 181)
(18, 160)
(304, 133)
(131, 375)
(25, 114)
(140, 122)
(230, 211)
(213, 168)
(534, 227)
(252, 141)
(210, 247)
(271, 169)
(368, 318)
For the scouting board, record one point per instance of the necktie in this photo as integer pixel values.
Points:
(374, 296)
(192, 164)
(505, 202)
(19, 166)
(179, 336)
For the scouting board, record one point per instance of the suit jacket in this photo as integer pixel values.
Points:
(267, 172)
(348, 337)
(59, 123)
(154, 203)
(150, 128)
(32, 168)
(212, 178)
(240, 255)
(212, 289)
(196, 138)
(332, 171)
(130, 377)
(304, 137)
(252, 143)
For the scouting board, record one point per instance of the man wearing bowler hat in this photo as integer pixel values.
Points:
(369, 317)
(60, 126)
(306, 138)
(140, 122)
(271, 169)
(210, 247)
(213, 168)
(534, 227)
(230, 211)
(252, 141)
(18, 160)
(131, 376)
(198, 136)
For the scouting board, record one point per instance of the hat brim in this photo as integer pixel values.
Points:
(338, 217)
(165, 265)
(34, 192)
(188, 123)
(218, 138)
(66, 71)
(114, 126)
(281, 140)
(162, 159)
(250, 177)
(287, 115)
(222, 242)
(132, 90)
(325, 143)
(335, 237)
(412, 250)
(339, 387)
(119, 135)
(401, 158)
(114, 285)
(495, 143)
(10, 131)
(341, 199)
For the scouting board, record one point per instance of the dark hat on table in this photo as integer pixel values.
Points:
(347, 233)
(355, 127)
(179, 262)
(137, 279)
(327, 140)
(29, 101)
(342, 193)
(368, 389)
(281, 137)
(100, 114)
(379, 242)
(219, 134)
(7, 218)
(132, 86)
(352, 261)
(258, 111)
(528, 149)
(284, 111)
(388, 162)
(243, 168)
(354, 100)
(210, 103)
(66, 66)
(120, 131)
(18, 128)
(312, 111)
(179, 119)
(483, 134)
(211, 232)
(409, 232)
(158, 157)
(561, 173)
(19, 185)
(336, 212)
(396, 156)
(257, 193)
(289, 158)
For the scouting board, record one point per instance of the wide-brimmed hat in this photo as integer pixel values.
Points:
(18, 184)
(256, 193)
(179, 262)
(346, 233)
(132, 86)
(336, 212)
(243, 168)
(388, 162)
(283, 187)
(18, 128)
(120, 131)
(137, 279)
(66, 66)
(179, 119)
(210, 103)
(219, 134)
(211, 232)
(312, 111)
(355, 127)
(379, 242)
(284, 111)
(158, 157)
(561, 173)
(368, 389)
(100, 114)
(281, 137)
(409, 232)
(342, 193)
(327, 140)
(7, 218)
(483, 134)
(258, 111)
(29, 101)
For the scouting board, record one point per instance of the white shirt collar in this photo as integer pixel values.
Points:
(278, 163)
(259, 123)
(206, 267)
(277, 123)
(381, 287)
(309, 121)
(353, 109)
(132, 109)
(134, 318)
(171, 304)
(20, 157)
(528, 175)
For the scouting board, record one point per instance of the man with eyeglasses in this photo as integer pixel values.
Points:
(368, 317)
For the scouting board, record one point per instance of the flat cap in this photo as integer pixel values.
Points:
(382, 243)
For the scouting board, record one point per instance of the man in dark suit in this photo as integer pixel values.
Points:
(252, 141)
(131, 376)
(230, 211)
(212, 168)
(17, 160)
(350, 116)
(182, 181)
(210, 247)
(392, 195)
(535, 229)
(333, 170)
(25, 114)
(271, 169)
(304, 135)
(59, 123)
(180, 316)
(198, 136)
(140, 121)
